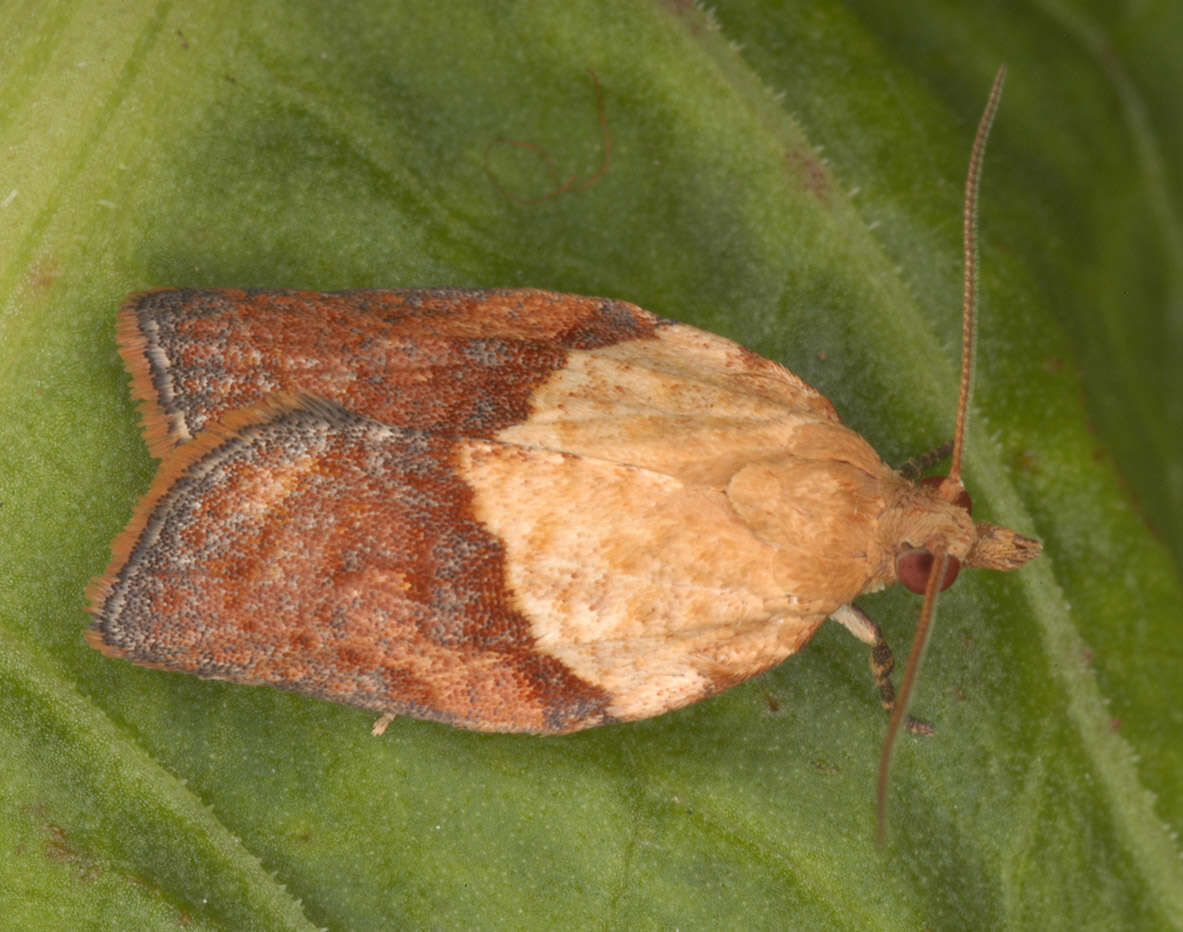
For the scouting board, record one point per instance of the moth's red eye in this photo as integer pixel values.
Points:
(962, 498)
(913, 568)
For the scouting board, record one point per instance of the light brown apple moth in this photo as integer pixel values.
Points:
(504, 510)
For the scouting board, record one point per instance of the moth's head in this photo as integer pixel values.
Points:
(939, 516)
(934, 533)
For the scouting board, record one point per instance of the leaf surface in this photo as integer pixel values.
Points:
(790, 178)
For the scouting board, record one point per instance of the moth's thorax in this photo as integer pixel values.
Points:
(820, 504)
(840, 520)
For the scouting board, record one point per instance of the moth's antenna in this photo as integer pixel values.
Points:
(969, 288)
(951, 487)
(899, 709)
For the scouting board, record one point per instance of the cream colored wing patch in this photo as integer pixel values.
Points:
(650, 588)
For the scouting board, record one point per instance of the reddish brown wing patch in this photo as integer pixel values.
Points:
(301, 546)
(461, 361)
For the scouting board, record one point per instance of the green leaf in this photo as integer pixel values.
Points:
(788, 177)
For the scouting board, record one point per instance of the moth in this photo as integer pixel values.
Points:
(509, 510)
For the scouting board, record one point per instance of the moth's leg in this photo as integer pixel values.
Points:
(917, 466)
(863, 627)
(380, 725)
